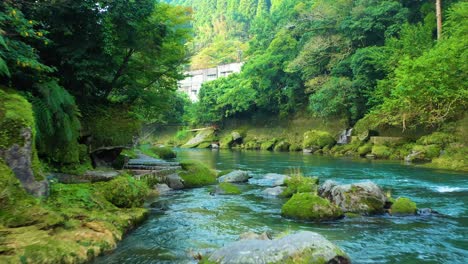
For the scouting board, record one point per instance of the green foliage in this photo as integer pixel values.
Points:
(269, 144)
(318, 139)
(300, 184)
(403, 206)
(282, 146)
(229, 188)
(125, 191)
(196, 174)
(365, 149)
(381, 151)
(309, 206)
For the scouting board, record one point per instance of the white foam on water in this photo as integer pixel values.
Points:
(444, 189)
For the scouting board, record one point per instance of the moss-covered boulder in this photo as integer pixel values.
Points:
(437, 138)
(295, 147)
(424, 153)
(269, 144)
(17, 146)
(125, 191)
(309, 206)
(164, 152)
(381, 151)
(227, 188)
(316, 139)
(364, 149)
(282, 146)
(302, 247)
(300, 184)
(364, 197)
(403, 206)
(196, 174)
(252, 145)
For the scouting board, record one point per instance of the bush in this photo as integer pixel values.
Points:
(317, 139)
(196, 174)
(125, 191)
(437, 138)
(309, 206)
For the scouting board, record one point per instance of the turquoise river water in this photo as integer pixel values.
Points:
(196, 222)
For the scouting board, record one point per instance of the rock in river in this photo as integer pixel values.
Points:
(235, 176)
(273, 192)
(302, 247)
(174, 181)
(364, 197)
(270, 180)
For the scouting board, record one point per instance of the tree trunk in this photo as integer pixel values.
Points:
(439, 18)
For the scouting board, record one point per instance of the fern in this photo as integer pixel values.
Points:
(57, 122)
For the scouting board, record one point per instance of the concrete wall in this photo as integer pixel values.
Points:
(192, 83)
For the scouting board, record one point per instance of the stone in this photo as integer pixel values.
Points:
(302, 247)
(364, 197)
(316, 139)
(273, 192)
(252, 235)
(160, 205)
(270, 180)
(214, 146)
(426, 212)
(236, 136)
(162, 188)
(235, 176)
(174, 181)
(203, 136)
(403, 206)
(309, 206)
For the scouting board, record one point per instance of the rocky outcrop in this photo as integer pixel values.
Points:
(363, 198)
(235, 176)
(17, 147)
(302, 247)
(204, 137)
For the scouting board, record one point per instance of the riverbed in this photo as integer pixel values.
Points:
(192, 222)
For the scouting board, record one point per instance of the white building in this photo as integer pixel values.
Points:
(192, 83)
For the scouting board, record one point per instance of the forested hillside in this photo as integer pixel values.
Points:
(339, 59)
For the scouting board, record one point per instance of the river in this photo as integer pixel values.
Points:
(196, 222)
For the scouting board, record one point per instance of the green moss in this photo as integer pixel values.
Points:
(269, 144)
(282, 146)
(196, 174)
(300, 184)
(437, 138)
(427, 152)
(453, 158)
(205, 144)
(365, 149)
(252, 145)
(317, 139)
(164, 152)
(403, 206)
(229, 188)
(295, 147)
(381, 151)
(226, 142)
(309, 206)
(125, 191)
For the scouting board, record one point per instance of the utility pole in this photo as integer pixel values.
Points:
(439, 18)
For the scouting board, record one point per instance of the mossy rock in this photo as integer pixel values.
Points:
(223, 172)
(269, 144)
(403, 206)
(295, 147)
(426, 152)
(364, 149)
(381, 151)
(282, 146)
(453, 158)
(164, 152)
(309, 206)
(252, 145)
(226, 142)
(300, 184)
(228, 188)
(316, 139)
(196, 174)
(437, 138)
(204, 145)
(125, 191)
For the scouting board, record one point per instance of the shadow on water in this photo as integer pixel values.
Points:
(194, 221)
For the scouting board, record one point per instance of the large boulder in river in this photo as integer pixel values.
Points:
(363, 198)
(302, 247)
(311, 207)
(174, 181)
(235, 176)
